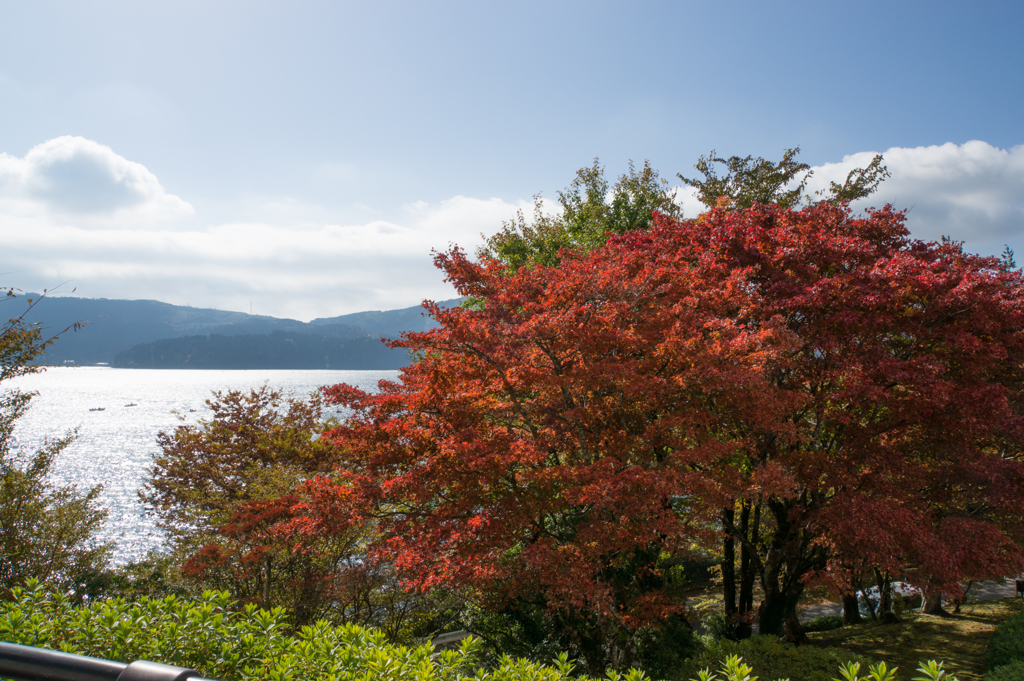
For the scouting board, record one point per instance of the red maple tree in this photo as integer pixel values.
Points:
(905, 384)
(575, 425)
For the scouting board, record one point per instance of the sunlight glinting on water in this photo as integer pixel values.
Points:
(116, 443)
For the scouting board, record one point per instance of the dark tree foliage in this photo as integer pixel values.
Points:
(747, 181)
(47, 531)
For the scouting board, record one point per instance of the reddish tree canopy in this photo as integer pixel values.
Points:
(578, 423)
(543, 440)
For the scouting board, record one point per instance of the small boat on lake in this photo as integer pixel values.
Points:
(97, 408)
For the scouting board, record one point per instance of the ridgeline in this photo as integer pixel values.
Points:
(147, 334)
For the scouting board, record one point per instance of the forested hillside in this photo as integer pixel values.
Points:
(385, 323)
(108, 327)
(276, 350)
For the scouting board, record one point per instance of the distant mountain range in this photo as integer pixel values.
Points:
(155, 335)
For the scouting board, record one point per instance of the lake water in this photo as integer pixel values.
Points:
(115, 446)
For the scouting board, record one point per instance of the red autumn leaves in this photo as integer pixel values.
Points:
(573, 426)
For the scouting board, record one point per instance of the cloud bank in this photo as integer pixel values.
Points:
(972, 192)
(74, 211)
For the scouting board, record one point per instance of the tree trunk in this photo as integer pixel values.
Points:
(589, 637)
(872, 609)
(266, 586)
(772, 615)
(781, 569)
(960, 600)
(729, 563)
(794, 631)
(933, 605)
(743, 629)
(778, 614)
(885, 598)
(851, 608)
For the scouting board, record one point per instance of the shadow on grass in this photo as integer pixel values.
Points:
(959, 640)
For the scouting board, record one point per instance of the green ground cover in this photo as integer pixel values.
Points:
(252, 644)
(959, 640)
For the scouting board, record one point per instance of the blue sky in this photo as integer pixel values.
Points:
(305, 157)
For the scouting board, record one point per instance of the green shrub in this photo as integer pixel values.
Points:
(662, 650)
(717, 627)
(700, 569)
(733, 668)
(1007, 643)
(929, 671)
(247, 645)
(1008, 672)
(772, 659)
(824, 623)
(251, 645)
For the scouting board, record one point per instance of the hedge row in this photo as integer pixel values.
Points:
(1005, 654)
(1007, 672)
(248, 645)
(220, 642)
(770, 658)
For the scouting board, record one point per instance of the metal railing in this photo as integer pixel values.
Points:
(25, 663)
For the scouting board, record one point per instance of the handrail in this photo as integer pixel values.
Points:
(25, 663)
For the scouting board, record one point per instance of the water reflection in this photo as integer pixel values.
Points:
(117, 414)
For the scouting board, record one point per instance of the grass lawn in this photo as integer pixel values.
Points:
(959, 640)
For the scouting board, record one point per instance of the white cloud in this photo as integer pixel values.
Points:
(69, 211)
(461, 220)
(291, 262)
(284, 272)
(686, 197)
(973, 192)
(75, 178)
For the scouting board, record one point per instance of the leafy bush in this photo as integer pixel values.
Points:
(929, 671)
(246, 645)
(529, 631)
(663, 650)
(772, 659)
(250, 645)
(700, 569)
(1007, 643)
(717, 627)
(152, 575)
(824, 623)
(1008, 672)
(735, 669)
